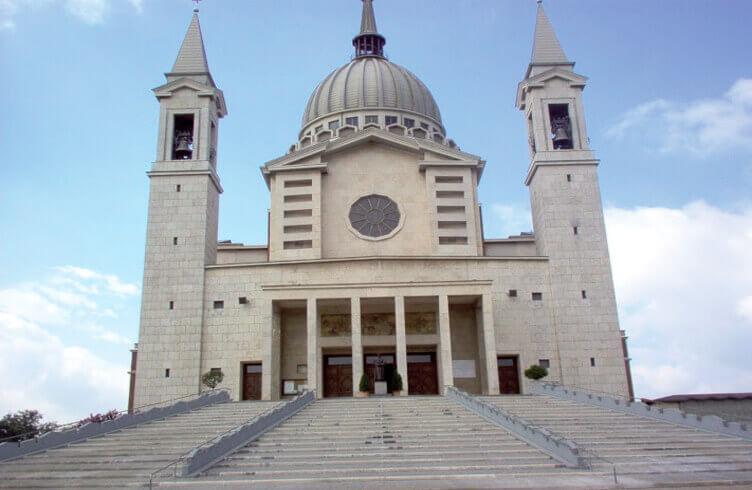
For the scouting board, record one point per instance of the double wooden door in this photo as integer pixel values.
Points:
(338, 379)
(252, 381)
(509, 375)
(422, 377)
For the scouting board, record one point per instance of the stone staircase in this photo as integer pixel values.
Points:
(383, 442)
(644, 451)
(129, 456)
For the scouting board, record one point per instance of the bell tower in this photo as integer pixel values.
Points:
(568, 218)
(181, 235)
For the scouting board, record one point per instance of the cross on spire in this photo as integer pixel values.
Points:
(195, 8)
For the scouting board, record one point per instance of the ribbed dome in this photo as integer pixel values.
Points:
(371, 82)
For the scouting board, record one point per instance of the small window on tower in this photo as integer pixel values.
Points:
(177, 188)
(218, 305)
(575, 230)
(544, 363)
(351, 121)
(391, 120)
(318, 128)
(182, 140)
(561, 126)
(167, 373)
(172, 305)
(424, 125)
(409, 123)
(584, 294)
(592, 362)
(333, 125)
(569, 177)
(372, 119)
(537, 296)
(174, 240)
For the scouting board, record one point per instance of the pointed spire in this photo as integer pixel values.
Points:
(368, 20)
(369, 42)
(191, 61)
(547, 51)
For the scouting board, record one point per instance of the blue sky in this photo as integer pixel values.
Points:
(669, 113)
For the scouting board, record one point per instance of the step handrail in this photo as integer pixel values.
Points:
(213, 450)
(54, 439)
(557, 447)
(710, 423)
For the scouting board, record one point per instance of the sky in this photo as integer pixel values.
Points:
(669, 113)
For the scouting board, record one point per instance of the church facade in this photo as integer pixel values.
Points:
(376, 250)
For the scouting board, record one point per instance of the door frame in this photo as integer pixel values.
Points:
(324, 363)
(518, 363)
(434, 360)
(242, 379)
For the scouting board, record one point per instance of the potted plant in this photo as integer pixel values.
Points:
(365, 385)
(396, 384)
(212, 378)
(536, 372)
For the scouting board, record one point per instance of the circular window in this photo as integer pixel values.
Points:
(374, 216)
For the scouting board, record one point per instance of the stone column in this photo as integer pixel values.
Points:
(313, 333)
(446, 373)
(489, 344)
(357, 343)
(267, 352)
(399, 320)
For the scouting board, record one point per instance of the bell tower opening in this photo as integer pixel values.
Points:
(182, 137)
(561, 126)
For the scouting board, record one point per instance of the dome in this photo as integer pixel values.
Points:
(371, 82)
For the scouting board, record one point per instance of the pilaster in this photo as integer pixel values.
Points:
(488, 334)
(313, 332)
(399, 320)
(446, 372)
(357, 343)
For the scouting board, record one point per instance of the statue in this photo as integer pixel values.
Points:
(378, 365)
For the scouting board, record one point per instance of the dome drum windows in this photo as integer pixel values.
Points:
(375, 217)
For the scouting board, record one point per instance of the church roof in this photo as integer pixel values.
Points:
(191, 60)
(547, 52)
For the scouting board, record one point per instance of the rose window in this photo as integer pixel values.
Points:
(374, 216)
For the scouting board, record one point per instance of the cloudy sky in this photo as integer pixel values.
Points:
(669, 112)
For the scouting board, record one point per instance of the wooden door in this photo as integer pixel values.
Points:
(509, 375)
(252, 381)
(338, 380)
(422, 377)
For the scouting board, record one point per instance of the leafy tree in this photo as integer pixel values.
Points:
(365, 383)
(396, 381)
(212, 378)
(536, 372)
(25, 424)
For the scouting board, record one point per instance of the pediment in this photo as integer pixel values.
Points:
(202, 90)
(539, 81)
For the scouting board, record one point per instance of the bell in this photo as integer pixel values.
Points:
(561, 138)
(183, 149)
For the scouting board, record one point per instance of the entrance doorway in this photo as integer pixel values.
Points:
(338, 379)
(252, 381)
(509, 375)
(422, 376)
(370, 369)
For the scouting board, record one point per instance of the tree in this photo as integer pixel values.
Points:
(396, 381)
(212, 378)
(536, 372)
(365, 383)
(25, 424)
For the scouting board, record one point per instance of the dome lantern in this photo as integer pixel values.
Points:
(369, 42)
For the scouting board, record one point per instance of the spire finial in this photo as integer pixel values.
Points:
(540, 2)
(195, 8)
(369, 42)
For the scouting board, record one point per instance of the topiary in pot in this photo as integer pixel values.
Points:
(396, 383)
(536, 372)
(365, 385)
(212, 378)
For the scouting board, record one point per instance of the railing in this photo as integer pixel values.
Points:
(14, 448)
(555, 446)
(219, 447)
(710, 423)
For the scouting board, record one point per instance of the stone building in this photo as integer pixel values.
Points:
(376, 244)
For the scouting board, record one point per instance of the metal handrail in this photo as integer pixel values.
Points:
(588, 390)
(182, 456)
(73, 425)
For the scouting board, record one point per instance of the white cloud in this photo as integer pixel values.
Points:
(697, 128)
(55, 334)
(512, 219)
(683, 281)
(89, 11)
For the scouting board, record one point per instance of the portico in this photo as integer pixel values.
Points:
(433, 334)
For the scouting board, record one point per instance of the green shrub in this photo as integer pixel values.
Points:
(536, 372)
(396, 382)
(365, 384)
(212, 378)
